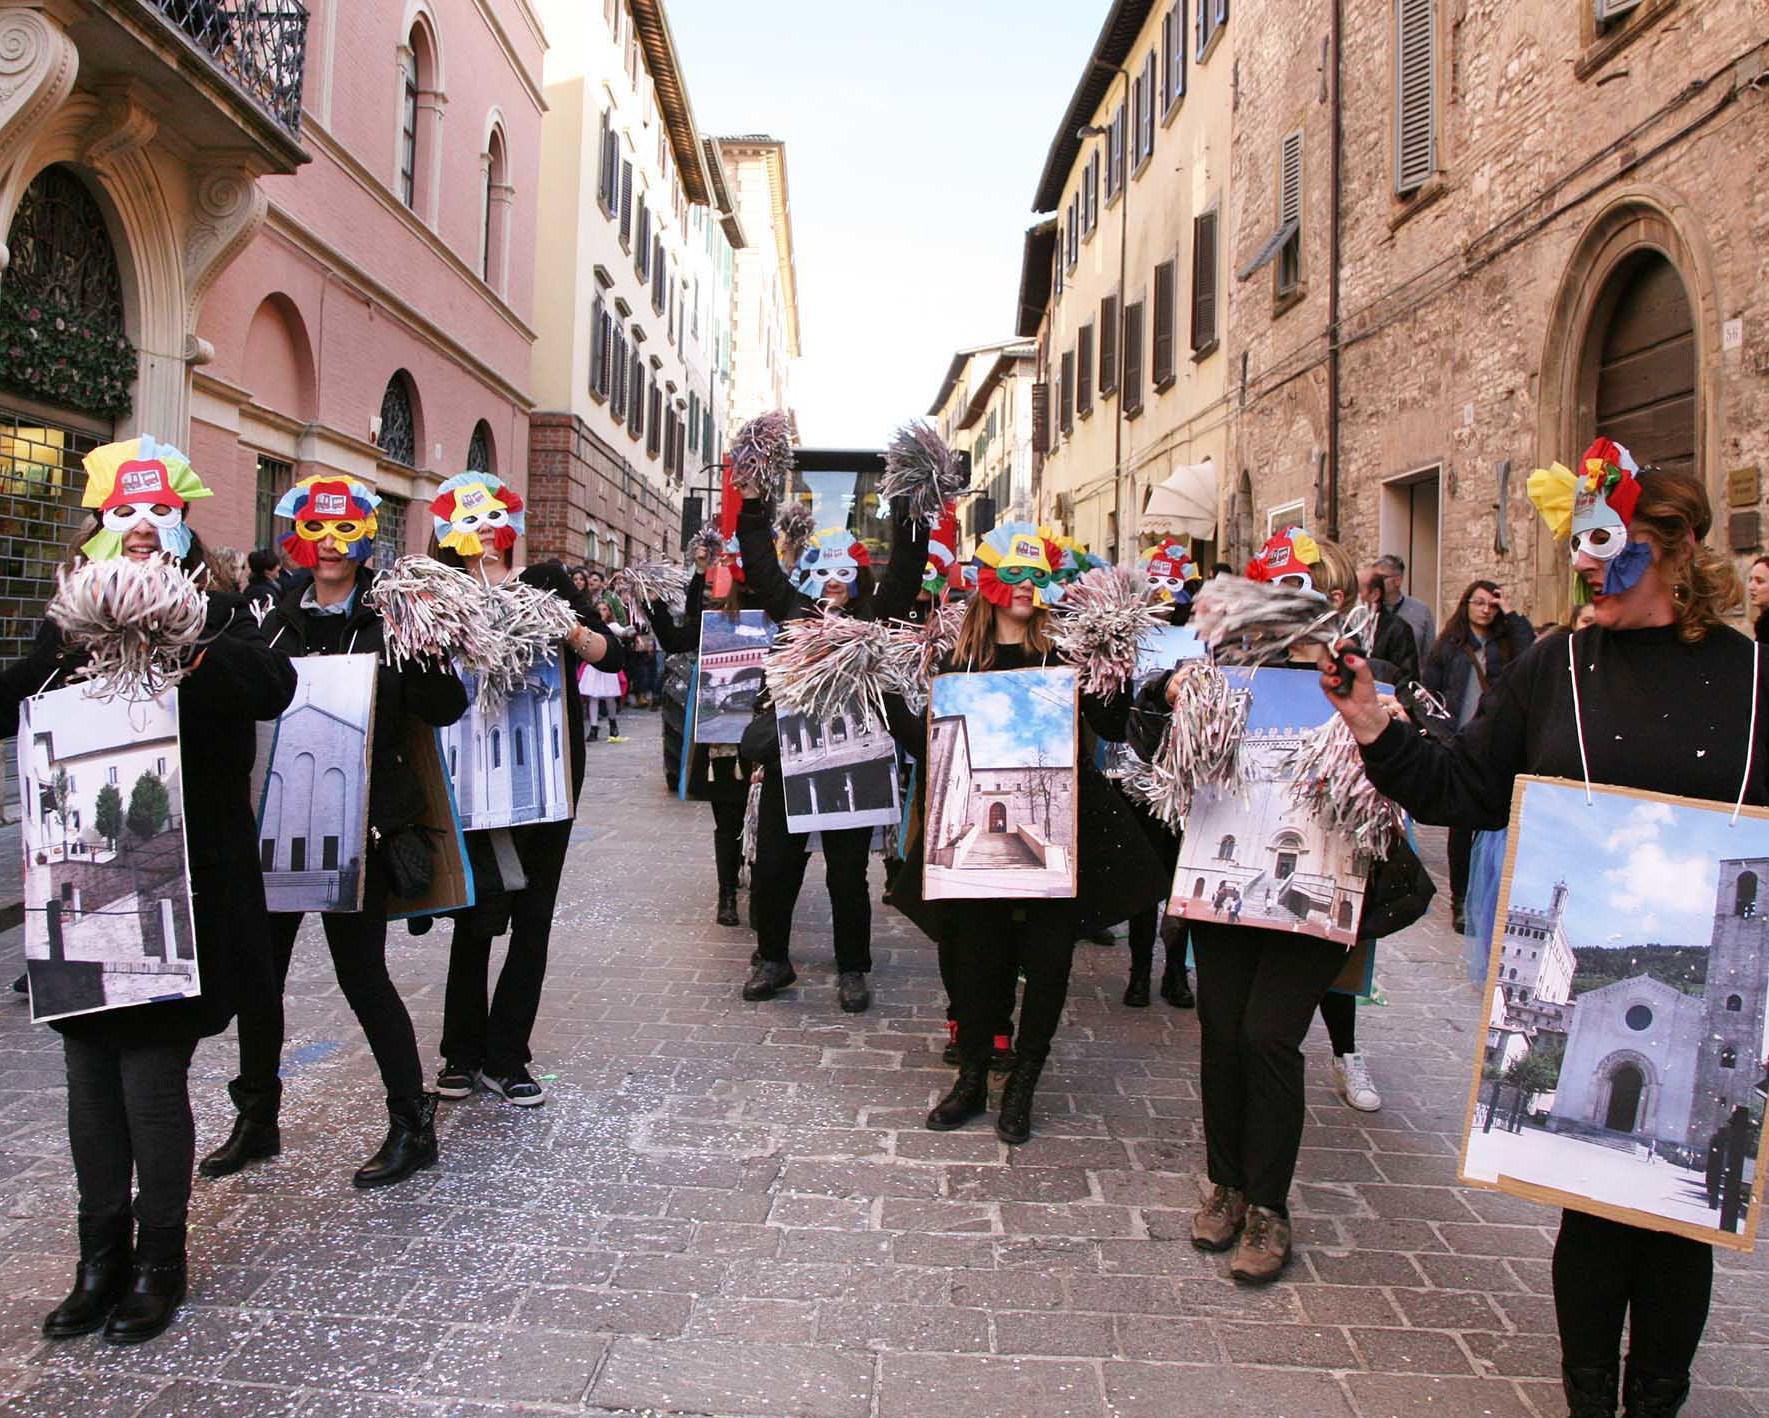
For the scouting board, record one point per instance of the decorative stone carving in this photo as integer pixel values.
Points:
(197, 350)
(230, 206)
(125, 124)
(38, 62)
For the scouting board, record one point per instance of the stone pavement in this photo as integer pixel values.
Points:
(734, 1209)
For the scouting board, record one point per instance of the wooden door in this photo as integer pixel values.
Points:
(1646, 366)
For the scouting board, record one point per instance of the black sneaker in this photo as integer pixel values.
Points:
(850, 989)
(453, 1081)
(768, 979)
(518, 1088)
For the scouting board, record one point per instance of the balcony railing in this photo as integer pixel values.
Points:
(261, 44)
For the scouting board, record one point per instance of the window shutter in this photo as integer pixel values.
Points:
(1203, 280)
(1221, 12)
(1164, 317)
(626, 203)
(1132, 390)
(1108, 345)
(1167, 60)
(1290, 181)
(1415, 91)
(1068, 381)
(1148, 105)
(1041, 416)
(1175, 50)
(1608, 10)
(598, 352)
(1084, 370)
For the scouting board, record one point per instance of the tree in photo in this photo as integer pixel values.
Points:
(61, 795)
(149, 806)
(107, 814)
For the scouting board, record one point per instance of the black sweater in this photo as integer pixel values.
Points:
(1658, 714)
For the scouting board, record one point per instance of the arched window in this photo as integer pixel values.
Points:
(64, 317)
(1225, 850)
(1745, 902)
(1734, 1004)
(399, 424)
(479, 454)
(497, 210)
(497, 748)
(419, 118)
(408, 126)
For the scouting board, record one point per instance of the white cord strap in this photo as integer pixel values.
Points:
(1750, 744)
(1578, 721)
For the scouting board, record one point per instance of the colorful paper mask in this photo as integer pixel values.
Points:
(1014, 554)
(139, 480)
(942, 551)
(1288, 559)
(1170, 571)
(1075, 557)
(477, 513)
(327, 510)
(831, 555)
(1593, 509)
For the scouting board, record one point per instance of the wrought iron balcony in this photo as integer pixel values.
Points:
(260, 44)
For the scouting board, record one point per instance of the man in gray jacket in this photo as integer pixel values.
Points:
(1410, 609)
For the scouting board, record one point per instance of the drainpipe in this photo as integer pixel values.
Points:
(1333, 264)
(1118, 336)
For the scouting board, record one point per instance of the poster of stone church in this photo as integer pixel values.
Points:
(507, 761)
(1001, 785)
(313, 767)
(1254, 856)
(107, 895)
(1622, 1070)
(837, 773)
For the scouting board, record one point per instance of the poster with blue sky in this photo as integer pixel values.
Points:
(1001, 794)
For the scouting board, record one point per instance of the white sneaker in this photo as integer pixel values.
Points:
(1351, 1080)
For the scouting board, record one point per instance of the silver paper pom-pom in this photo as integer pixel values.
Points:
(1331, 783)
(652, 581)
(1201, 746)
(829, 664)
(795, 527)
(709, 540)
(761, 456)
(428, 611)
(1099, 624)
(917, 651)
(1248, 622)
(922, 470)
(141, 623)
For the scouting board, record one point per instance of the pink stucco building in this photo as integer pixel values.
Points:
(379, 321)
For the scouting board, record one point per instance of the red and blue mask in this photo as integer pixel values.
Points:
(1604, 498)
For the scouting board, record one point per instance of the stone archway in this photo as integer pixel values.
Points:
(1626, 1096)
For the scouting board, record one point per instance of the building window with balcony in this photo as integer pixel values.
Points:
(399, 423)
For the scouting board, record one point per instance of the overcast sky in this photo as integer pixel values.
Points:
(915, 134)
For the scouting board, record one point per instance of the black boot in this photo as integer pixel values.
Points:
(1590, 1390)
(727, 908)
(968, 1098)
(1649, 1395)
(1175, 989)
(99, 1279)
(768, 979)
(410, 1144)
(1136, 993)
(1458, 916)
(155, 1290)
(248, 1142)
(1013, 1124)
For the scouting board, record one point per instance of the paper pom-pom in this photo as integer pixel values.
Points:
(1246, 622)
(918, 650)
(653, 581)
(1100, 621)
(141, 623)
(795, 527)
(828, 664)
(919, 467)
(707, 539)
(1332, 784)
(761, 456)
(1201, 746)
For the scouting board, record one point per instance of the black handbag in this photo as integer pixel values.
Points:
(402, 845)
(1398, 892)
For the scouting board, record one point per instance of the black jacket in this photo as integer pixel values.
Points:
(239, 681)
(552, 576)
(431, 692)
(721, 777)
(1446, 663)
(1395, 643)
(891, 597)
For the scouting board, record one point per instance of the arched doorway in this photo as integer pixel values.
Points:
(1625, 1087)
(1640, 362)
(998, 817)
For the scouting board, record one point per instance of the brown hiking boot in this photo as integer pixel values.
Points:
(1264, 1250)
(1215, 1223)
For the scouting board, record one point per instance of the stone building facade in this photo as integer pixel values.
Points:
(1545, 225)
(764, 291)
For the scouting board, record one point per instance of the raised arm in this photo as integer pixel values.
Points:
(762, 575)
(895, 593)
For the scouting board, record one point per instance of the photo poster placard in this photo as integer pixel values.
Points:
(1255, 857)
(1620, 1067)
(508, 762)
(729, 675)
(310, 781)
(108, 920)
(451, 886)
(1003, 780)
(1158, 649)
(837, 774)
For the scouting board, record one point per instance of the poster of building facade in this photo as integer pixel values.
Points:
(313, 798)
(1001, 785)
(1622, 1067)
(1255, 857)
(107, 894)
(837, 774)
(507, 762)
(730, 674)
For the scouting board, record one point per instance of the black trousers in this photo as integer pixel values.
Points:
(984, 948)
(358, 943)
(494, 1036)
(1605, 1271)
(1339, 1014)
(728, 840)
(781, 858)
(130, 1130)
(1461, 852)
(1142, 928)
(1257, 994)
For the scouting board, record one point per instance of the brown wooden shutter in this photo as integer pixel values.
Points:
(1068, 381)
(1084, 369)
(1133, 366)
(1415, 90)
(1041, 416)
(1164, 319)
(1204, 281)
(1108, 345)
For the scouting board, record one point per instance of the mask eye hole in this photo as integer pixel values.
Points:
(1295, 583)
(346, 528)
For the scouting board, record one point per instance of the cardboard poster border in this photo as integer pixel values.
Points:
(452, 888)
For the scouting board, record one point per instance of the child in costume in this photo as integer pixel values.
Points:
(326, 612)
(129, 1118)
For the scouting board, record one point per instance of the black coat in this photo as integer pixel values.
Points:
(712, 778)
(239, 681)
(1446, 663)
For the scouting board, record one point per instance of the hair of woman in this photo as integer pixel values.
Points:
(976, 635)
(1675, 514)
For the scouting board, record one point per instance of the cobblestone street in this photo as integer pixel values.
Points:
(734, 1209)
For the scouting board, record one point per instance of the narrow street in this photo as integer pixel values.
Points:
(734, 1209)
